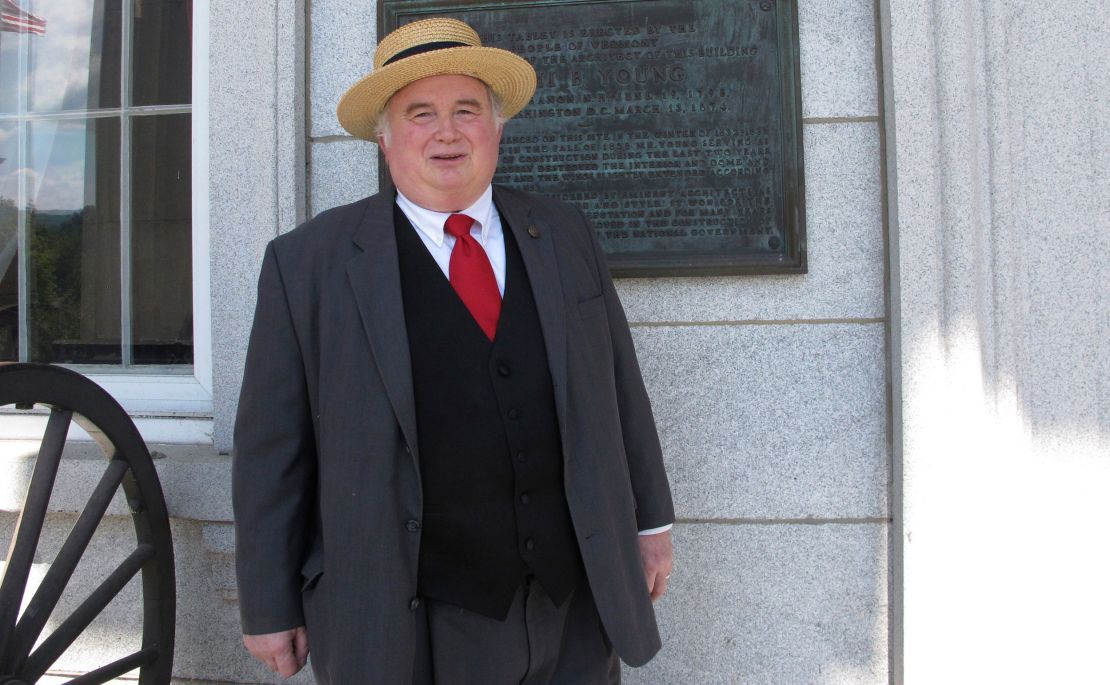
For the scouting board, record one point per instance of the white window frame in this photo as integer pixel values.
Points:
(173, 407)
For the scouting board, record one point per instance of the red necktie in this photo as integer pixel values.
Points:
(472, 276)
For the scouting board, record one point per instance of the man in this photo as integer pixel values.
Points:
(446, 465)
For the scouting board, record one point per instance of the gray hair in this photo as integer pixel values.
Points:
(381, 126)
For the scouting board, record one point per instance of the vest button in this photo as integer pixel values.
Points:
(529, 544)
(414, 604)
(525, 499)
(503, 370)
(412, 526)
(514, 413)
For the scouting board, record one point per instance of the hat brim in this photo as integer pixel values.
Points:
(510, 76)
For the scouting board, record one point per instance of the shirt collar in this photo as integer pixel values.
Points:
(430, 223)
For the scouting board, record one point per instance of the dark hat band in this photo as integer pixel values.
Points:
(426, 47)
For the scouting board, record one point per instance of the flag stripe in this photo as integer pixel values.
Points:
(24, 16)
(15, 19)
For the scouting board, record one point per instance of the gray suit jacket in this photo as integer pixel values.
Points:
(326, 478)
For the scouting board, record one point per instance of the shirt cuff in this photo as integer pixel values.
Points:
(656, 531)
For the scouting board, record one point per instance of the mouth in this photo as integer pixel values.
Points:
(448, 157)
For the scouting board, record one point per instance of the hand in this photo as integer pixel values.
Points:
(284, 653)
(656, 556)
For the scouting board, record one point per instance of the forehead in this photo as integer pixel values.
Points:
(439, 89)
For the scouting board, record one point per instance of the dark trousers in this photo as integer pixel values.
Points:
(537, 644)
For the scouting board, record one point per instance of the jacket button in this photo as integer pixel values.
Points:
(503, 370)
(414, 604)
(529, 544)
(525, 499)
(412, 526)
(521, 457)
(514, 413)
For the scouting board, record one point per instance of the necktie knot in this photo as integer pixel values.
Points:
(458, 225)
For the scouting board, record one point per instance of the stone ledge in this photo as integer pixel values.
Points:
(196, 479)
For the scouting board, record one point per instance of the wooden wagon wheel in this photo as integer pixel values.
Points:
(72, 397)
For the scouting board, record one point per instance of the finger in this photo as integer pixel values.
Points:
(659, 587)
(651, 578)
(300, 646)
(286, 664)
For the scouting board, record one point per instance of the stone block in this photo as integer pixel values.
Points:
(837, 44)
(774, 605)
(785, 421)
(208, 643)
(209, 637)
(195, 479)
(245, 147)
(344, 35)
(342, 171)
(116, 631)
(844, 233)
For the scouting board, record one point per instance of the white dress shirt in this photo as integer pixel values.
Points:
(486, 230)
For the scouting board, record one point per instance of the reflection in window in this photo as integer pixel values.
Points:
(95, 184)
(73, 248)
(73, 65)
(161, 242)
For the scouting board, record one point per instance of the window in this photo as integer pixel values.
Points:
(96, 236)
(104, 201)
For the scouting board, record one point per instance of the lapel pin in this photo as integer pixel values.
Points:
(533, 231)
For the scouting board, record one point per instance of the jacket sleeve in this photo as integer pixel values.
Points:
(274, 465)
(654, 508)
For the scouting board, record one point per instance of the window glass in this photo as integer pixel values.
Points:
(73, 64)
(161, 49)
(95, 183)
(9, 242)
(161, 240)
(73, 247)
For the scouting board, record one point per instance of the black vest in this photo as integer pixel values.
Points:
(490, 455)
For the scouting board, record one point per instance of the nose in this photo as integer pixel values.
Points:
(446, 130)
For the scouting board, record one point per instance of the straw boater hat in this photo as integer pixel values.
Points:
(431, 47)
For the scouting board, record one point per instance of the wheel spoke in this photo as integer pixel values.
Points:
(117, 668)
(21, 554)
(60, 640)
(54, 583)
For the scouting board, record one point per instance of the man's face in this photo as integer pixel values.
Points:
(442, 147)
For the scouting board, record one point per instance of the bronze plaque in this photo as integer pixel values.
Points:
(674, 124)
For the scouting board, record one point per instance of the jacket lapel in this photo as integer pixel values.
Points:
(534, 238)
(375, 278)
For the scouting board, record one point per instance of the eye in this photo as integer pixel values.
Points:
(422, 116)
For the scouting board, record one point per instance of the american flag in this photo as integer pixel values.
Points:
(17, 20)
